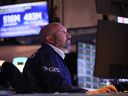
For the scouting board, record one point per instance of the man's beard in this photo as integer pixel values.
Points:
(67, 46)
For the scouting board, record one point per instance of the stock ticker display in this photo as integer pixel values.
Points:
(23, 19)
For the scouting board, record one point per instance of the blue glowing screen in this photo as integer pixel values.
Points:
(23, 19)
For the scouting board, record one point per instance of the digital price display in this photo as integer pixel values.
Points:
(23, 19)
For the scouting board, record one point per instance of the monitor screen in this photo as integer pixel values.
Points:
(23, 19)
(85, 67)
(123, 20)
(111, 50)
(113, 7)
(19, 62)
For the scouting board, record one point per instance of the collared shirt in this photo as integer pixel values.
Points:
(59, 51)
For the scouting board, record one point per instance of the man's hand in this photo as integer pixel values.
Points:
(105, 89)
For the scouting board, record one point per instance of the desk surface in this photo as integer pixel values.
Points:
(73, 94)
(6, 93)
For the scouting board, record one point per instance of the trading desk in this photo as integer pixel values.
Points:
(6, 93)
(73, 94)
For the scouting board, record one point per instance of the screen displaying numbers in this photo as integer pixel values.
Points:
(85, 67)
(23, 19)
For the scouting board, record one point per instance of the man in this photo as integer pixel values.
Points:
(45, 70)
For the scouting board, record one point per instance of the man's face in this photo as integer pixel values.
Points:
(62, 38)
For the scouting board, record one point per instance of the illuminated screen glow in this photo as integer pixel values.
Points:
(19, 62)
(23, 19)
(85, 67)
(1, 62)
(122, 20)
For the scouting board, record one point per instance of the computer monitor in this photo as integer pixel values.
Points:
(113, 7)
(85, 67)
(19, 62)
(123, 20)
(111, 50)
(24, 19)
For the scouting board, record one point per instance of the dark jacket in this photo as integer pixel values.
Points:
(46, 72)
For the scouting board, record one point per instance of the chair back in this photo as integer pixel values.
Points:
(10, 76)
